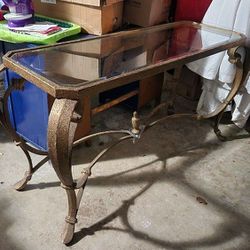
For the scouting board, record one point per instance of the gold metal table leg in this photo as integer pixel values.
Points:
(235, 59)
(61, 131)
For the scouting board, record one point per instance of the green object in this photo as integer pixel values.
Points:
(69, 29)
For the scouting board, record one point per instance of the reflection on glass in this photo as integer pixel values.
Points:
(102, 58)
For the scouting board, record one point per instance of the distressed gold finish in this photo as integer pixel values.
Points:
(66, 113)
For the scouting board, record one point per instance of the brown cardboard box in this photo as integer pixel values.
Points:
(95, 47)
(154, 41)
(96, 20)
(91, 2)
(146, 12)
(133, 59)
(75, 68)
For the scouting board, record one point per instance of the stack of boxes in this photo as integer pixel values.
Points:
(100, 58)
(99, 17)
(146, 13)
(94, 16)
(94, 60)
(104, 16)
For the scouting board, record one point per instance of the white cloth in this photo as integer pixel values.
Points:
(217, 71)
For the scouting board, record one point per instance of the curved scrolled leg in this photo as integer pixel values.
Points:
(61, 131)
(234, 58)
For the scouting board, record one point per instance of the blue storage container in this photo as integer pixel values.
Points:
(29, 108)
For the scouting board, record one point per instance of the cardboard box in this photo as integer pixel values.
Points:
(156, 39)
(96, 47)
(74, 68)
(146, 12)
(132, 59)
(95, 20)
(96, 3)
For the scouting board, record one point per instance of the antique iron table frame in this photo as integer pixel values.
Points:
(66, 111)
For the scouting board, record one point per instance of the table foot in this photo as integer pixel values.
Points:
(220, 136)
(70, 219)
(68, 233)
(20, 185)
(217, 131)
(74, 199)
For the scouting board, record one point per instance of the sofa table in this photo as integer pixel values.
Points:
(133, 56)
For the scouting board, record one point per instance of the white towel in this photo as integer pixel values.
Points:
(217, 71)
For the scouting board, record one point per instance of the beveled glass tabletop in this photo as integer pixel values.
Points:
(118, 58)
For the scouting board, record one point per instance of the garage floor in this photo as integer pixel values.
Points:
(178, 188)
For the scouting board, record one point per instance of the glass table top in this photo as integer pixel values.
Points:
(81, 62)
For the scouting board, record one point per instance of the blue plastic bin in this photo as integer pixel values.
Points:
(29, 109)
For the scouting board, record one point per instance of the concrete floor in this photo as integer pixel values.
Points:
(141, 196)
